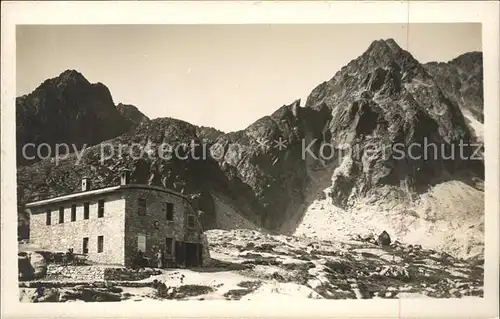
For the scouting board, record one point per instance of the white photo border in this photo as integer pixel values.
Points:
(225, 12)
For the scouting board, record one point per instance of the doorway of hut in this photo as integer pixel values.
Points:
(193, 255)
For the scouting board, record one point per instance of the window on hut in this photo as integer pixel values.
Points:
(190, 221)
(100, 208)
(141, 206)
(73, 212)
(85, 248)
(86, 210)
(169, 211)
(61, 215)
(100, 244)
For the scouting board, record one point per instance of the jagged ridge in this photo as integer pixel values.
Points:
(461, 79)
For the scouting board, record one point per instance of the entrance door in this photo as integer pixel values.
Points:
(193, 256)
(179, 253)
(169, 252)
(200, 254)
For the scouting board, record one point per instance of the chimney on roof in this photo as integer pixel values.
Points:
(85, 184)
(125, 177)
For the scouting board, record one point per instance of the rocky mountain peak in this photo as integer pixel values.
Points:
(385, 97)
(68, 78)
(384, 53)
(382, 70)
(71, 76)
(392, 44)
(387, 46)
(66, 109)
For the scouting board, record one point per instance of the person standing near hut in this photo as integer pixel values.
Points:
(159, 258)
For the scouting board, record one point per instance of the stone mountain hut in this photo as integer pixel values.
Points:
(110, 225)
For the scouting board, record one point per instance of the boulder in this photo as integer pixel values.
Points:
(397, 272)
(268, 248)
(276, 276)
(88, 294)
(31, 266)
(25, 269)
(49, 295)
(27, 295)
(39, 265)
(384, 239)
(338, 267)
(236, 294)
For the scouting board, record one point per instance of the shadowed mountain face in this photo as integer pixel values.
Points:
(66, 109)
(461, 79)
(354, 136)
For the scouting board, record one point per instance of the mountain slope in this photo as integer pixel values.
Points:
(448, 217)
(66, 109)
(132, 113)
(210, 134)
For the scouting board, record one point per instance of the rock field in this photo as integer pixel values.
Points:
(249, 265)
